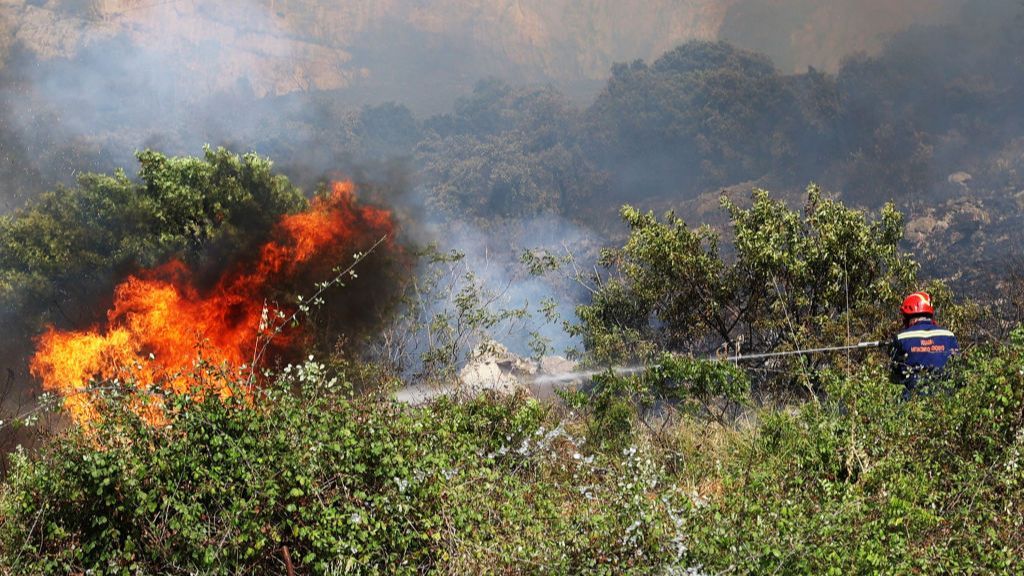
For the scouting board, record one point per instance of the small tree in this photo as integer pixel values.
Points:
(829, 275)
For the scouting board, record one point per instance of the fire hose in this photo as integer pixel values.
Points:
(857, 346)
(627, 370)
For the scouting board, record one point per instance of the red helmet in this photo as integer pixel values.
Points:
(917, 303)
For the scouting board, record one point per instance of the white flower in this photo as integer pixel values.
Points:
(402, 484)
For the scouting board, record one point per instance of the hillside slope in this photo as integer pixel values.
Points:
(439, 48)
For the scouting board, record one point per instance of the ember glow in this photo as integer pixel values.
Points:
(161, 322)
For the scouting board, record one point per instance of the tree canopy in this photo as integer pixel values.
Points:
(507, 152)
(69, 244)
(790, 279)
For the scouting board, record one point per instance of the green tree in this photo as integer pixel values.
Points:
(704, 114)
(68, 245)
(507, 152)
(828, 275)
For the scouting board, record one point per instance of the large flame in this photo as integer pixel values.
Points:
(162, 322)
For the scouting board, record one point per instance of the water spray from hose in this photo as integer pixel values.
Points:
(555, 379)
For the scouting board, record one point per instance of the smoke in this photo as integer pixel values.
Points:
(489, 293)
(171, 76)
(168, 313)
(797, 34)
(86, 84)
(494, 258)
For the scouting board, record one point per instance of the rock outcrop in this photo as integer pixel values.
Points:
(492, 368)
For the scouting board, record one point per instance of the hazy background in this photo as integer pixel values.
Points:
(86, 82)
(487, 118)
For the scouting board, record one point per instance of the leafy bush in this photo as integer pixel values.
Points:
(794, 280)
(856, 483)
(67, 245)
(346, 484)
(866, 484)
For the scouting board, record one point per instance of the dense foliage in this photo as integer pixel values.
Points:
(348, 485)
(858, 483)
(64, 250)
(865, 484)
(507, 152)
(791, 279)
(703, 105)
(936, 101)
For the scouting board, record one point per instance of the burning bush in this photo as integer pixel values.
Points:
(63, 252)
(163, 320)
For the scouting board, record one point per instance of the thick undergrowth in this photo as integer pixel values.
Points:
(312, 476)
(344, 484)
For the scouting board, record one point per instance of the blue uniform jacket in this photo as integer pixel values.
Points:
(921, 349)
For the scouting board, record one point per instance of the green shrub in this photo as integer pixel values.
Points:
(857, 482)
(865, 484)
(348, 485)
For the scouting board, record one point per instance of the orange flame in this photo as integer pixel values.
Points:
(161, 322)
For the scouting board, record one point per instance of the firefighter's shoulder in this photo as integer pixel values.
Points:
(925, 333)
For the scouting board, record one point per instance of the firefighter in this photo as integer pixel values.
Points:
(921, 349)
